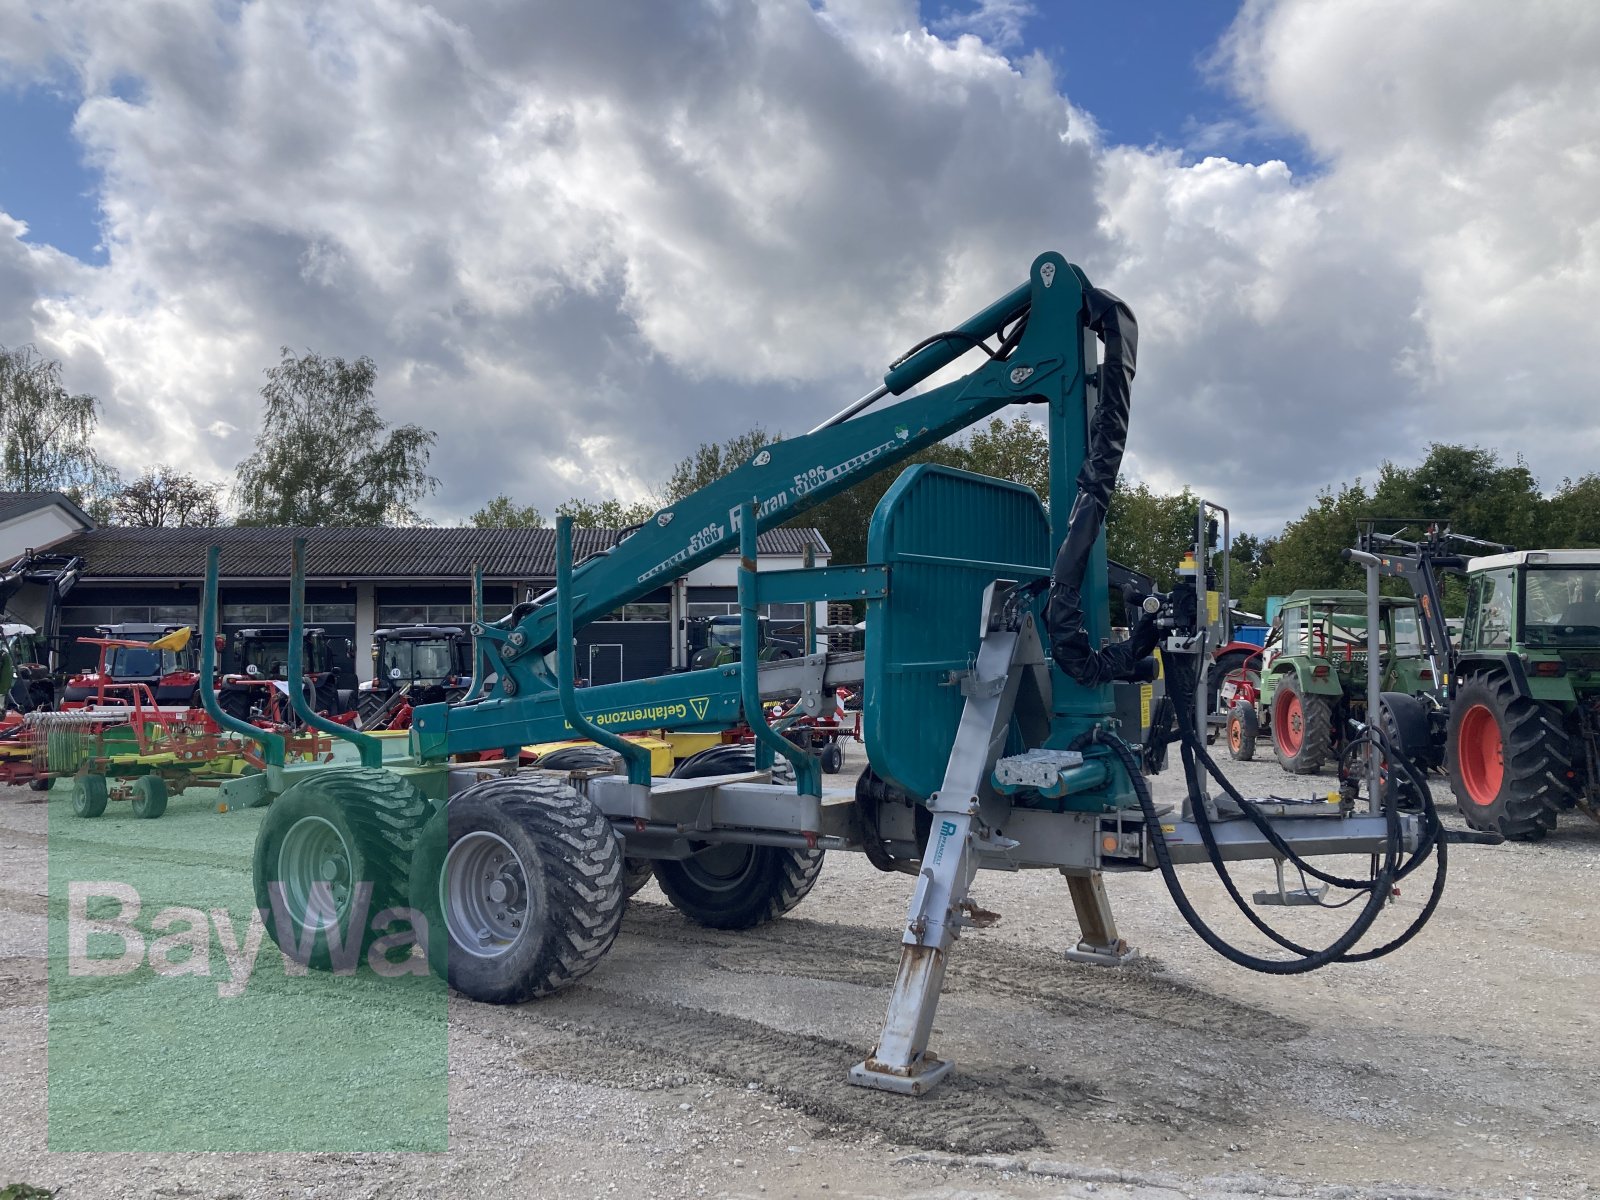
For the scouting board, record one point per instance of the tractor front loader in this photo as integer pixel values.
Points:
(991, 697)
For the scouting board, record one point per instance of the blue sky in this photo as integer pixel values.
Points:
(602, 221)
(1139, 68)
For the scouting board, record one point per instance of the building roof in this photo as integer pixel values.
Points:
(20, 504)
(422, 552)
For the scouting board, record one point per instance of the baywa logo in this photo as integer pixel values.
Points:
(330, 935)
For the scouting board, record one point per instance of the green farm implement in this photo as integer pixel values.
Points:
(991, 703)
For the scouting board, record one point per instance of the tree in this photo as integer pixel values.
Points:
(1018, 450)
(605, 514)
(711, 462)
(166, 498)
(504, 513)
(324, 456)
(1150, 531)
(45, 432)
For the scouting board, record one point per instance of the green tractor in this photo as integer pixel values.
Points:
(1523, 743)
(1312, 678)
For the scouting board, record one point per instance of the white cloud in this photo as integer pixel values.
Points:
(579, 239)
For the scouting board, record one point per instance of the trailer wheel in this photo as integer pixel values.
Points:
(40, 785)
(520, 879)
(731, 885)
(1302, 727)
(89, 795)
(636, 872)
(334, 852)
(1509, 758)
(1242, 730)
(149, 797)
(832, 758)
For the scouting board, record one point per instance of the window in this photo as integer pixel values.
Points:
(1491, 609)
(331, 614)
(255, 614)
(182, 614)
(646, 612)
(1561, 606)
(699, 609)
(402, 614)
(84, 615)
(1294, 631)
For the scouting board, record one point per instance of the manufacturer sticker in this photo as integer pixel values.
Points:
(947, 830)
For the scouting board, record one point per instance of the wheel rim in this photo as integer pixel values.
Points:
(1482, 755)
(721, 868)
(1289, 721)
(315, 872)
(1235, 734)
(484, 893)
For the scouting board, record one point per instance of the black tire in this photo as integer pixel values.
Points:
(636, 872)
(368, 706)
(581, 758)
(1310, 732)
(149, 797)
(1522, 799)
(832, 758)
(89, 795)
(555, 856)
(1243, 728)
(40, 785)
(1220, 668)
(363, 823)
(729, 885)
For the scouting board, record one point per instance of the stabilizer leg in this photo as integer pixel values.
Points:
(901, 1063)
(1100, 945)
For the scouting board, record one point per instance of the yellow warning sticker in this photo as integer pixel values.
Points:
(1146, 699)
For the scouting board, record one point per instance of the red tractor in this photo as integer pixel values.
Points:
(155, 658)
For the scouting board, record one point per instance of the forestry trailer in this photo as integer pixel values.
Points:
(991, 692)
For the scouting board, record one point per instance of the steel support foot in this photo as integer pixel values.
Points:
(1290, 897)
(1116, 954)
(1100, 945)
(922, 1076)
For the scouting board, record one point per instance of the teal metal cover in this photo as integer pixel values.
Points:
(945, 535)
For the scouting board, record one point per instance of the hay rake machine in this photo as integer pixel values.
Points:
(991, 696)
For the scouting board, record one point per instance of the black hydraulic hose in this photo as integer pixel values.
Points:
(1169, 875)
(1108, 437)
(1379, 888)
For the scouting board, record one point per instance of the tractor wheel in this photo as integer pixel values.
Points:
(1403, 722)
(1509, 759)
(333, 853)
(832, 758)
(367, 707)
(149, 797)
(40, 785)
(1219, 670)
(521, 880)
(1302, 728)
(1242, 730)
(89, 795)
(730, 885)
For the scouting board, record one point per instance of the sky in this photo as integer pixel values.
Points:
(579, 239)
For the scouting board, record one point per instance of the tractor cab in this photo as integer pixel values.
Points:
(260, 656)
(1311, 681)
(419, 656)
(714, 642)
(137, 663)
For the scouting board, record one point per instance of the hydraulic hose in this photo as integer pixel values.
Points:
(1378, 888)
(1108, 437)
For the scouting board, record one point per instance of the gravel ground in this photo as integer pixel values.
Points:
(696, 1063)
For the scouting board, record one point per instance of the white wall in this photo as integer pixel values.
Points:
(35, 531)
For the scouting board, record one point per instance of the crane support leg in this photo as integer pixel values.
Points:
(1100, 946)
